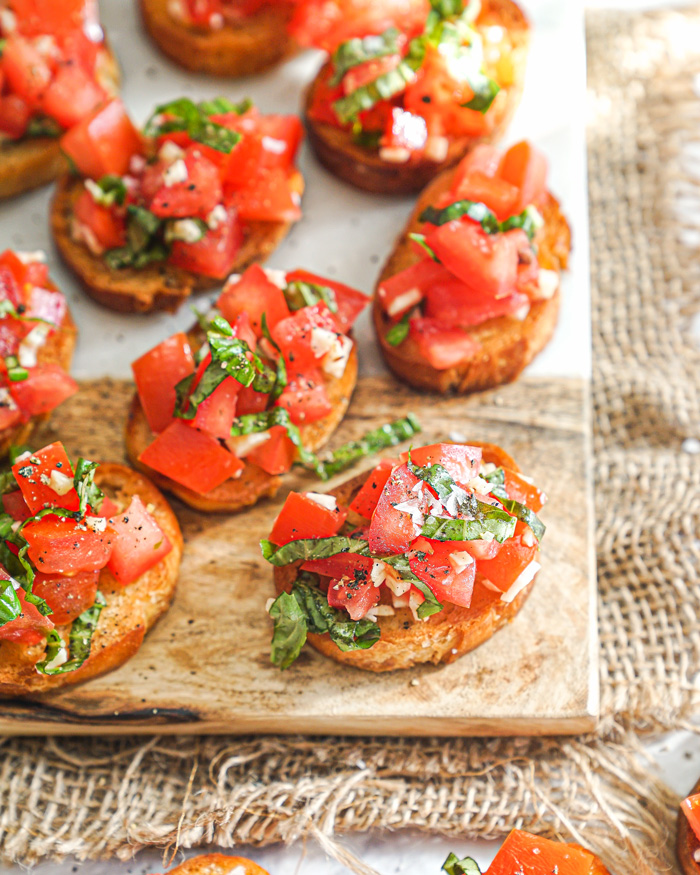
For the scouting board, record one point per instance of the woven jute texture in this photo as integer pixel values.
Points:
(101, 797)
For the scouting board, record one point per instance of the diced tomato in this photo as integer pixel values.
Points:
(105, 223)
(303, 517)
(533, 855)
(12, 274)
(691, 808)
(15, 114)
(324, 96)
(498, 195)
(46, 304)
(45, 388)
(366, 499)
(191, 458)
(325, 24)
(404, 130)
(37, 17)
(277, 454)
(200, 11)
(392, 530)
(108, 508)
(215, 414)
(250, 401)
(356, 595)
(67, 595)
(267, 142)
(33, 475)
(525, 167)
(29, 628)
(402, 291)
(10, 414)
(460, 461)
(103, 142)
(459, 305)
(369, 71)
(482, 159)
(25, 69)
(72, 95)
(481, 549)
(14, 504)
(519, 489)
(215, 254)
(255, 295)
(156, 373)
(487, 263)
(339, 566)
(197, 195)
(512, 559)
(294, 335)
(441, 345)
(242, 328)
(139, 543)
(60, 545)
(431, 563)
(305, 397)
(267, 197)
(349, 301)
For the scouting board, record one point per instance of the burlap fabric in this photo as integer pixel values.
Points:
(95, 798)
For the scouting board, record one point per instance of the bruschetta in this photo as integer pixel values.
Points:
(522, 852)
(221, 414)
(221, 37)
(208, 188)
(89, 558)
(37, 337)
(218, 864)
(688, 835)
(419, 562)
(470, 294)
(55, 68)
(391, 109)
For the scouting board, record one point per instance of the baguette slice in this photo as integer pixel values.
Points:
(444, 636)
(362, 167)
(507, 345)
(254, 483)
(259, 42)
(218, 864)
(36, 161)
(58, 349)
(687, 845)
(156, 286)
(130, 611)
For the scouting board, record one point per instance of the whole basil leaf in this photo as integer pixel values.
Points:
(495, 522)
(10, 605)
(521, 511)
(290, 630)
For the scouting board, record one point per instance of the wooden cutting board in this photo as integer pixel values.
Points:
(205, 667)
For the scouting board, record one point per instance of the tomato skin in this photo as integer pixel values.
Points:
(67, 596)
(402, 291)
(250, 401)
(457, 304)
(45, 388)
(46, 304)
(369, 71)
(294, 335)
(197, 195)
(215, 414)
(36, 17)
(350, 302)
(253, 294)
(108, 228)
(460, 461)
(103, 142)
(691, 808)
(441, 345)
(276, 455)
(533, 855)
(482, 159)
(526, 493)
(366, 499)
(340, 565)
(215, 254)
(14, 504)
(438, 573)
(267, 197)
(305, 397)
(15, 115)
(25, 69)
(64, 546)
(525, 167)
(512, 559)
(29, 476)
(355, 595)
(190, 457)
(156, 373)
(324, 24)
(404, 130)
(139, 543)
(391, 530)
(324, 96)
(72, 95)
(30, 627)
(498, 194)
(302, 517)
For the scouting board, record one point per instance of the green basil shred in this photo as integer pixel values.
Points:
(454, 866)
(521, 511)
(529, 219)
(361, 49)
(79, 641)
(184, 114)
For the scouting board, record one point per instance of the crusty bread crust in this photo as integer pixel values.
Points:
(254, 483)
(130, 611)
(363, 167)
(58, 349)
(157, 286)
(444, 636)
(35, 161)
(217, 864)
(257, 43)
(507, 344)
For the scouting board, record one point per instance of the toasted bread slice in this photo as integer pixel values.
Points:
(35, 161)
(507, 344)
(130, 611)
(260, 40)
(218, 864)
(444, 636)
(364, 168)
(253, 483)
(687, 845)
(157, 286)
(58, 349)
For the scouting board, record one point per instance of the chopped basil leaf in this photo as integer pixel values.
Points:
(79, 641)
(144, 219)
(252, 423)
(113, 190)
(17, 450)
(495, 522)
(15, 371)
(3, 42)
(311, 548)
(84, 482)
(222, 105)
(420, 240)
(299, 294)
(402, 567)
(398, 332)
(43, 126)
(185, 115)
(281, 380)
(143, 244)
(10, 605)
(485, 91)
(359, 50)
(521, 511)
(454, 866)
(527, 220)
(364, 138)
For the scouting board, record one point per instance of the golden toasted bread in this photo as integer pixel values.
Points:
(58, 349)
(687, 845)
(253, 483)
(35, 161)
(130, 611)
(260, 40)
(218, 864)
(507, 344)
(444, 636)
(157, 286)
(364, 168)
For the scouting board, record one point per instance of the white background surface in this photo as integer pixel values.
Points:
(346, 233)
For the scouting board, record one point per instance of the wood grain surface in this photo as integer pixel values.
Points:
(205, 667)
